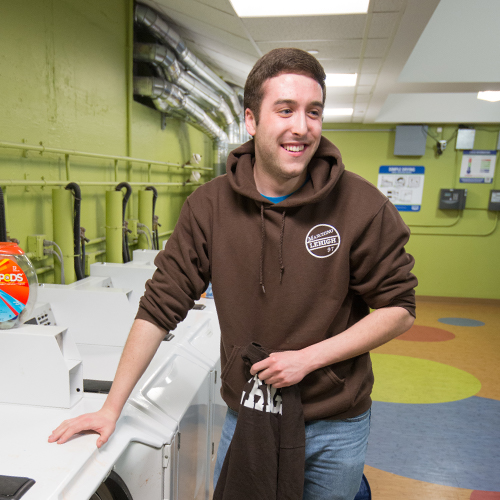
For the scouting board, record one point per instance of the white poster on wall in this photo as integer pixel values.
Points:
(403, 185)
(478, 166)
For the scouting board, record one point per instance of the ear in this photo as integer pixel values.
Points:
(250, 122)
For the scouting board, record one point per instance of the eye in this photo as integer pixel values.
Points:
(285, 112)
(315, 113)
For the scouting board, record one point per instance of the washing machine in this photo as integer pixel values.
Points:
(166, 438)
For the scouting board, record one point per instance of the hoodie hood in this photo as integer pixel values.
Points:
(325, 169)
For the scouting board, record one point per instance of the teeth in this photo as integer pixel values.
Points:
(294, 149)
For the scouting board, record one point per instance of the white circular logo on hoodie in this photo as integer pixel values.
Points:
(322, 241)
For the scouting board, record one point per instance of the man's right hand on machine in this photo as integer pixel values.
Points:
(102, 422)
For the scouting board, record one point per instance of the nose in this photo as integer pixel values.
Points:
(299, 124)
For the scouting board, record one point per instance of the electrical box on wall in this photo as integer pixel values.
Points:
(494, 204)
(465, 138)
(410, 140)
(452, 199)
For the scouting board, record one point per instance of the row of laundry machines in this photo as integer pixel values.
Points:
(61, 363)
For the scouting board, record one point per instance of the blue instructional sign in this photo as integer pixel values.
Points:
(403, 185)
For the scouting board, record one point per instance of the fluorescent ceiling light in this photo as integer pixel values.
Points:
(337, 112)
(341, 80)
(284, 8)
(489, 95)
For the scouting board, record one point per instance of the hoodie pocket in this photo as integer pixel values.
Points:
(233, 377)
(323, 387)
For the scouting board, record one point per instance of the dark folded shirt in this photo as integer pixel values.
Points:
(265, 460)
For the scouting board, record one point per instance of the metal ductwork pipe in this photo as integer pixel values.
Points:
(168, 96)
(161, 30)
(198, 91)
(244, 136)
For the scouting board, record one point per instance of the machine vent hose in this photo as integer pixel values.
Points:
(3, 222)
(79, 261)
(125, 248)
(155, 242)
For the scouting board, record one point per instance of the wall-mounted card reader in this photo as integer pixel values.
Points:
(494, 204)
(452, 199)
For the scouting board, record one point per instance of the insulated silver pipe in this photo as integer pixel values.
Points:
(159, 27)
(203, 95)
(168, 97)
(242, 133)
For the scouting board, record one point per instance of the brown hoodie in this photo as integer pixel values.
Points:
(287, 275)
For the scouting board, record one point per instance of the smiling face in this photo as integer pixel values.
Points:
(287, 134)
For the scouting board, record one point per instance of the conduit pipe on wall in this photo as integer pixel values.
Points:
(62, 212)
(126, 250)
(163, 32)
(43, 149)
(145, 216)
(44, 183)
(79, 262)
(114, 226)
(155, 224)
(203, 95)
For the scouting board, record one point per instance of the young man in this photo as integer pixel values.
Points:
(298, 250)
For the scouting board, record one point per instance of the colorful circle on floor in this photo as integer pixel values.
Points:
(453, 444)
(404, 379)
(461, 321)
(485, 495)
(419, 333)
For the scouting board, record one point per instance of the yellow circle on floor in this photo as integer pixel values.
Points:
(403, 379)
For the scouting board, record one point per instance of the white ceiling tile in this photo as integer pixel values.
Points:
(376, 47)
(364, 89)
(228, 64)
(362, 98)
(387, 5)
(243, 52)
(302, 28)
(222, 44)
(341, 91)
(336, 119)
(335, 49)
(367, 79)
(340, 65)
(222, 5)
(338, 101)
(190, 25)
(207, 14)
(382, 25)
(371, 65)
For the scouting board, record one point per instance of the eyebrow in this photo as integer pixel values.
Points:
(291, 101)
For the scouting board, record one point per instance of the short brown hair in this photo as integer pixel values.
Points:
(277, 62)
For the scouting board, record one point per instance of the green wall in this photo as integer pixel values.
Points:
(456, 254)
(65, 74)
(65, 82)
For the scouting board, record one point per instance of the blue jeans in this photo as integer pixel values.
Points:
(335, 455)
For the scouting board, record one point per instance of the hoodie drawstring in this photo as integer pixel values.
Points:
(263, 241)
(282, 233)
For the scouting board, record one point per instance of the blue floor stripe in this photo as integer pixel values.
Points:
(461, 321)
(453, 444)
